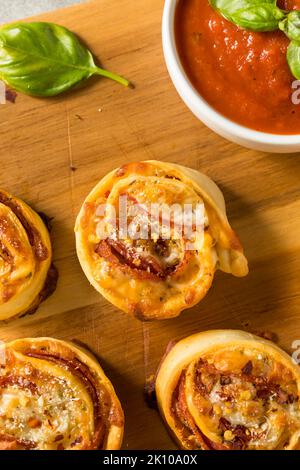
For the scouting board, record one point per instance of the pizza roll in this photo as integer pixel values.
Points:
(230, 390)
(55, 396)
(27, 276)
(157, 259)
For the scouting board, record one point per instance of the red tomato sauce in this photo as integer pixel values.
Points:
(244, 75)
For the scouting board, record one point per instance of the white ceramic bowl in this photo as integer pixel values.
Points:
(208, 115)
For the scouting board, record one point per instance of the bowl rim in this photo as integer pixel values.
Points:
(189, 93)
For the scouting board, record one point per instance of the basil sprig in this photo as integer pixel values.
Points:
(256, 15)
(264, 15)
(45, 59)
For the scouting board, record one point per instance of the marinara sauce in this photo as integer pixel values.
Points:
(244, 75)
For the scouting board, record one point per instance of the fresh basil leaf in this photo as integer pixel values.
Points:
(255, 15)
(45, 59)
(291, 25)
(293, 58)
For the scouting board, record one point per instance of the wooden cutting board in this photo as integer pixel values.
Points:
(53, 152)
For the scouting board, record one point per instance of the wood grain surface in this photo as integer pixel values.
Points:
(53, 152)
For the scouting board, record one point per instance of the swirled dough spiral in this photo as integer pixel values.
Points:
(55, 396)
(27, 276)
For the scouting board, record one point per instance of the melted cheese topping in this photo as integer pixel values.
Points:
(48, 409)
(55, 417)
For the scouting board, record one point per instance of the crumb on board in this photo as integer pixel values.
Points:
(149, 392)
